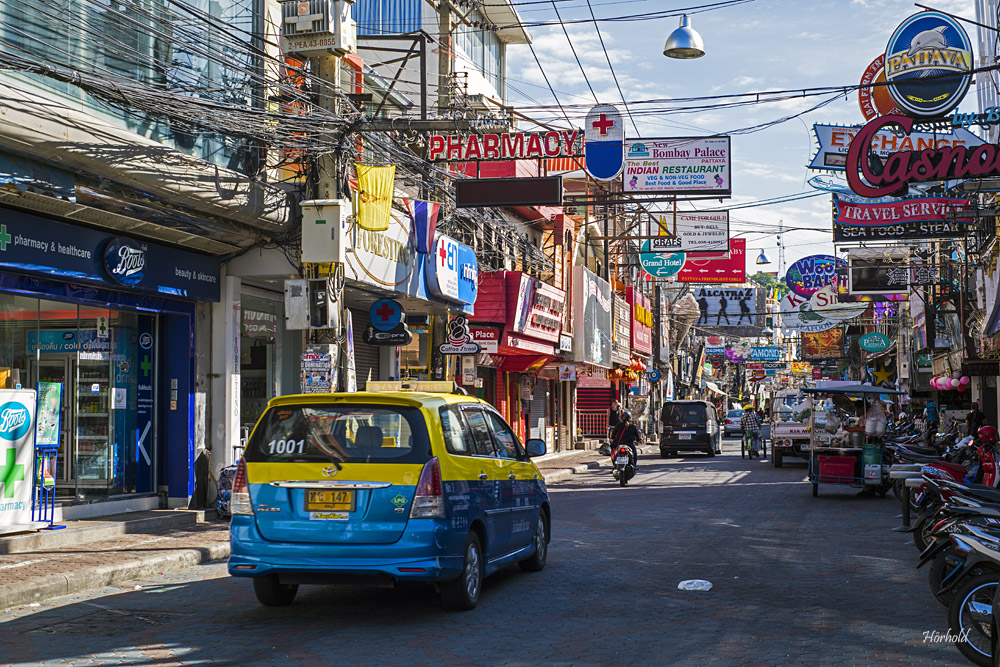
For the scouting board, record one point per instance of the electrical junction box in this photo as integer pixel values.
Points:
(324, 230)
(318, 27)
(296, 305)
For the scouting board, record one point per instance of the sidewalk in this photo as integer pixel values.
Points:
(94, 553)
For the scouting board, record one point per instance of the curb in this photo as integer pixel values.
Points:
(562, 474)
(56, 585)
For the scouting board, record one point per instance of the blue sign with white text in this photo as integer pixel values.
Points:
(32, 244)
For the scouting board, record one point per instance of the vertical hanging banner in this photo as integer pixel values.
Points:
(144, 405)
(350, 375)
(604, 142)
(17, 450)
(373, 200)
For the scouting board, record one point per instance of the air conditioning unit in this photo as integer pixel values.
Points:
(324, 230)
(316, 27)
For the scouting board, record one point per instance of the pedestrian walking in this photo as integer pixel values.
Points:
(614, 417)
(975, 420)
(750, 425)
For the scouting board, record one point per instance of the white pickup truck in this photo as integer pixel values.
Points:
(790, 410)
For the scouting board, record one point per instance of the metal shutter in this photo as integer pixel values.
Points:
(366, 357)
(537, 409)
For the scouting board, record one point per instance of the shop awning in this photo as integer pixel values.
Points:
(714, 388)
(525, 363)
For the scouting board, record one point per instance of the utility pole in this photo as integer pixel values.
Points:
(445, 54)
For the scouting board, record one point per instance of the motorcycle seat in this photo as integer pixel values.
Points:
(919, 449)
(915, 457)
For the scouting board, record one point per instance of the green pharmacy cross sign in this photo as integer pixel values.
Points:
(10, 472)
(660, 265)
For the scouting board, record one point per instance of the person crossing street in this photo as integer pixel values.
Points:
(750, 425)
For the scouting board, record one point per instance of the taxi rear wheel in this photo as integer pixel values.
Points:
(272, 592)
(536, 561)
(463, 593)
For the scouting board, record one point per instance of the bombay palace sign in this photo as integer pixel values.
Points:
(507, 146)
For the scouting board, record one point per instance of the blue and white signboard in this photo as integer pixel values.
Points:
(36, 245)
(658, 264)
(604, 142)
(17, 446)
(765, 353)
(452, 271)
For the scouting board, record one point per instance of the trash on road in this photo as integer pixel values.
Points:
(694, 585)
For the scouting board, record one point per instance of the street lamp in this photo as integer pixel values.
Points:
(762, 258)
(684, 42)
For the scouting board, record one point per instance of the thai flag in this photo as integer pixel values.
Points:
(424, 216)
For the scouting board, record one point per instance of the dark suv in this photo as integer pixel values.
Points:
(689, 426)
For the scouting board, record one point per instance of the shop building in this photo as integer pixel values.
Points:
(592, 351)
(111, 320)
(525, 315)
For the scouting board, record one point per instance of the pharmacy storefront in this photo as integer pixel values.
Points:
(102, 325)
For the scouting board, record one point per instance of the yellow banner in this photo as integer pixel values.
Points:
(374, 198)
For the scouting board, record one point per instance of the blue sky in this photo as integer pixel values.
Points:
(755, 47)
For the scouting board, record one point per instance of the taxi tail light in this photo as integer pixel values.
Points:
(239, 499)
(428, 501)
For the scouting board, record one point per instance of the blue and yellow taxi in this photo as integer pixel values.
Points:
(392, 484)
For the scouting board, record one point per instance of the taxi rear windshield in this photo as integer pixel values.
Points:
(340, 433)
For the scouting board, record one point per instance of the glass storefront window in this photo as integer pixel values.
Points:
(93, 354)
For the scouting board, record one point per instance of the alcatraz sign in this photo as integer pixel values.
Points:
(507, 146)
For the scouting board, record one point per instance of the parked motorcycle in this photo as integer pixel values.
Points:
(970, 613)
(622, 464)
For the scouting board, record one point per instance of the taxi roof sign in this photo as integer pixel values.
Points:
(445, 387)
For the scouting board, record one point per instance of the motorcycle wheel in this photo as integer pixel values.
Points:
(970, 617)
(623, 479)
(922, 534)
(936, 573)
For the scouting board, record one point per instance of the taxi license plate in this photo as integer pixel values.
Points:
(683, 436)
(322, 500)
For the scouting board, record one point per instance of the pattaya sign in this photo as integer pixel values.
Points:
(920, 218)
(835, 141)
(921, 52)
(874, 342)
(904, 167)
(507, 146)
(812, 273)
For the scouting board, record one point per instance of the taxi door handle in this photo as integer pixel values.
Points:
(483, 476)
(512, 476)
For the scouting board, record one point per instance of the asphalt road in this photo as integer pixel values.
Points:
(796, 580)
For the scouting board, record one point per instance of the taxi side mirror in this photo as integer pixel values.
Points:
(535, 447)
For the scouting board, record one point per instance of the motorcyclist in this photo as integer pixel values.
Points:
(627, 434)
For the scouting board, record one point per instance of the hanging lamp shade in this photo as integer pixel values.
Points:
(684, 43)
(762, 258)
